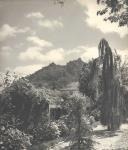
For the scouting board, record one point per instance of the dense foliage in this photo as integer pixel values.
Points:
(22, 109)
(45, 132)
(13, 139)
(7, 78)
(116, 10)
(113, 98)
(102, 82)
(89, 80)
(25, 114)
(78, 121)
(24, 102)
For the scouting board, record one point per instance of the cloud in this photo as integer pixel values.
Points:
(89, 53)
(29, 69)
(39, 42)
(32, 53)
(9, 31)
(97, 22)
(6, 31)
(84, 52)
(37, 15)
(55, 55)
(6, 48)
(123, 53)
(4, 54)
(5, 51)
(59, 55)
(50, 24)
(35, 54)
(46, 23)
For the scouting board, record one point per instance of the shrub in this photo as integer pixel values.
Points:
(13, 139)
(78, 122)
(46, 132)
(64, 131)
(53, 131)
(26, 103)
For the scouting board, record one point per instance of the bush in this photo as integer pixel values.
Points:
(24, 102)
(83, 139)
(53, 131)
(79, 123)
(64, 131)
(13, 139)
(46, 132)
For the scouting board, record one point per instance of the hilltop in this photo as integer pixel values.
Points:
(56, 76)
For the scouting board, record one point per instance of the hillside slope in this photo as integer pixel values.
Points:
(57, 76)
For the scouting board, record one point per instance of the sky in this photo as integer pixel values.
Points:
(34, 33)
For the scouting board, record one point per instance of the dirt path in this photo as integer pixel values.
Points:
(105, 140)
(111, 141)
(61, 146)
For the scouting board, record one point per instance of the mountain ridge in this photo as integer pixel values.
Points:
(56, 76)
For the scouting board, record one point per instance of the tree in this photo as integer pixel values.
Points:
(7, 78)
(104, 77)
(124, 72)
(61, 2)
(90, 84)
(89, 80)
(113, 100)
(117, 11)
(22, 101)
(13, 139)
(78, 122)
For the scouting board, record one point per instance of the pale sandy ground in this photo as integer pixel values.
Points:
(104, 140)
(108, 141)
(60, 146)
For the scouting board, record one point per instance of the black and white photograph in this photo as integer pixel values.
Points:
(63, 74)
